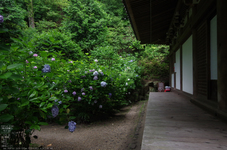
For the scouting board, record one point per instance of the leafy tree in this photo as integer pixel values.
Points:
(87, 21)
(14, 16)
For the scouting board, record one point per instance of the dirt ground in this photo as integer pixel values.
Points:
(121, 132)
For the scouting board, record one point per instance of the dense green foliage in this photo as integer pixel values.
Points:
(86, 43)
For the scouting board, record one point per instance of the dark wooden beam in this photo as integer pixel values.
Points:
(132, 19)
(222, 53)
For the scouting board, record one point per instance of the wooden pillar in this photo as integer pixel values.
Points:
(195, 75)
(222, 53)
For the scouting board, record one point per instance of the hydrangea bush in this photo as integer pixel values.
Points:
(48, 87)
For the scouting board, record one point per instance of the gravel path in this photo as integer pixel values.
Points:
(122, 132)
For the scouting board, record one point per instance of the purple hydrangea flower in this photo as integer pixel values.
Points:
(66, 91)
(46, 69)
(100, 106)
(83, 93)
(56, 100)
(102, 73)
(137, 75)
(91, 88)
(72, 126)
(70, 81)
(53, 59)
(74, 93)
(79, 98)
(35, 67)
(30, 52)
(27, 61)
(131, 61)
(95, 73)
(1, 19)
(93, 70)
(103, 84)
(71, 62)
(110, 94)
(18, 98)
(82, 89)
(96, 60)
(35, 55)
(54, 111)
(60, 102)
(95, 78)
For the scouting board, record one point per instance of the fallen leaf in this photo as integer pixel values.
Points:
(49, 145)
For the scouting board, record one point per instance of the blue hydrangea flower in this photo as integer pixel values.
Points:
(59, 102)
(56, 100)
(54, 111)
(46, 68)
(74, 93)
(95, 73)
(72, 126)
(137, 75)
(102, 73)
(95, 78)
(131, 61)
(110, 94)
(79, 98)
(1, 19)
(103, 84)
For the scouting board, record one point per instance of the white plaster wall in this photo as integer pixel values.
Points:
(177, 69)
(213, 49)
(172, 80)
(187, 66)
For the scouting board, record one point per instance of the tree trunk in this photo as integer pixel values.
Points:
(31, 14)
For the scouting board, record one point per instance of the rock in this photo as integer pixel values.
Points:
(132, 146)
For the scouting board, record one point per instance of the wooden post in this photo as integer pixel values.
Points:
(222, 53)
(195, 76)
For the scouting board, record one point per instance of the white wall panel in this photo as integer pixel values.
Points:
(213, 49)
(177, 69)
(187, 66)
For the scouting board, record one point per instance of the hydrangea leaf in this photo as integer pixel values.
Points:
(6, 75)
(72, 117)
(15, 77)
(6, 117)
(14, 66)
(3, 106)
(33, 94)
(24, 104)
(33, 99)
(34, 126)
(53, 98)
(41, 104)
(28, 122)
(43, 123)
